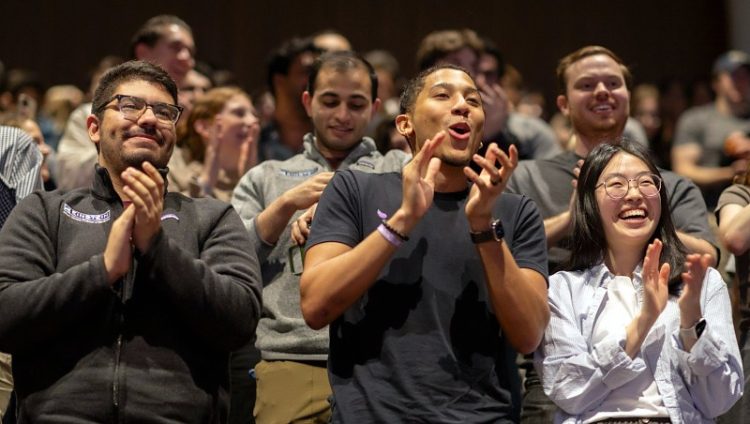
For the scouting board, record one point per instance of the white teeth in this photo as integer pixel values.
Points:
(602, 108)
(633, 213)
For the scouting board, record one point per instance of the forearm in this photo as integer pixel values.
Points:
(47, 307)
(706, 176)
(519, 296)
(635, 334)
(734, 228)
(697, 245)
(327, 292)
(557, 227)
(271, 222)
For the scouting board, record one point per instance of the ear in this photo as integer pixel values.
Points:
(94, 128)
(307, 103)
(405, 127)
(562, 104)
(142, 51)
(375, 107)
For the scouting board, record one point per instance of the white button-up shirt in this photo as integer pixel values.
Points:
(578, 374)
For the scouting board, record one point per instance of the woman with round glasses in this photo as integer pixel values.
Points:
(219, 144)
(639, 331)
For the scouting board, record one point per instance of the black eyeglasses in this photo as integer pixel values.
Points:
(617, 186)
(132, 108)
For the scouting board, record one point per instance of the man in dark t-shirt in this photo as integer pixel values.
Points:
(430, 282)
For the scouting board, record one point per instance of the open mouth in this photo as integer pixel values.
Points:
(460, 130)
(633, 214)
(603, 108)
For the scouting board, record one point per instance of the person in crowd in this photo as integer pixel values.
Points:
(432, 279)
(532, 137)
(733, 215)
(646, 110)
(341, 99)
(164, 40)
(122, 302)
(594, 94)
(698, 149)
(195, 85)
(219, 144)
(30, 127)
(330, 40)
(640, 330)
(288, 70)
(20, 174)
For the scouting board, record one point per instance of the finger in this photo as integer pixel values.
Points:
(296, 233)
(139, 204)
(664, 275)
(139, 194)
(432, 169)
(423, 158)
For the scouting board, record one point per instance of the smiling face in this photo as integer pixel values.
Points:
(340, 108)
(597, 98)
(239, 122)
(175, 52)
(631, 220)
(123, 142)
(449, 101)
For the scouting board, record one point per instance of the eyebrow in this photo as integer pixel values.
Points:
(336, 95)
(449, 86)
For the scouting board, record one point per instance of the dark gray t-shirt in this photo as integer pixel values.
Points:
(423, 344)
(548, 183)
(708, 128)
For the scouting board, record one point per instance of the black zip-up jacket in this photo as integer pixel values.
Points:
(153, 348)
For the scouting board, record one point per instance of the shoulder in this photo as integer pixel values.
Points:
(735, 194)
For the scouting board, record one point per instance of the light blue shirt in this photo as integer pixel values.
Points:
(577, 376)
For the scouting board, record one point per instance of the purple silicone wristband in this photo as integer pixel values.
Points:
(392, 238)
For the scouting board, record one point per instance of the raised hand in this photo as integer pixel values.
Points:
(489, 183)
(145, 189)
(655, 283)
(689, 301)
(496, 107)
(118, 254)
(419, 179)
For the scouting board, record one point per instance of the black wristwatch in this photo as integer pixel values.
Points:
(495, 232)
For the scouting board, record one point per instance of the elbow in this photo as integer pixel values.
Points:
(314, 311)
(736, 245)
(315, 318)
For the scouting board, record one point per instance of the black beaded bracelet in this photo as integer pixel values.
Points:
(396, 233)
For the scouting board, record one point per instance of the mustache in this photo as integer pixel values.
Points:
(147, 132)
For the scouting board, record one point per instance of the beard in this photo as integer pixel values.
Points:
(117, 158)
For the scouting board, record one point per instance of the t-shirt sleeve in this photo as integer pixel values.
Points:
(689, 211)
(689, 128)
(736, 194)
(337, 218)
(529, 245)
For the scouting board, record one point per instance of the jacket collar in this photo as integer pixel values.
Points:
(365, 147)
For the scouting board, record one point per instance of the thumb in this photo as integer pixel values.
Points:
(432, 169)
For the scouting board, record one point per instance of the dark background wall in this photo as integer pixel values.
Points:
(63, 39)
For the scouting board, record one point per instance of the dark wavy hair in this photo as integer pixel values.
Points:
(590, 243)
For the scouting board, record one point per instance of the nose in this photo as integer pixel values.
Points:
(147, 116)
(635, 193)
(342, 113)
(461, 107)
(601, 89)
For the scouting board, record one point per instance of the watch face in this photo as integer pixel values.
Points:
(498, 230)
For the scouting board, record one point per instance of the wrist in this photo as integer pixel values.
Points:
(479, 222)
(402, 222)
